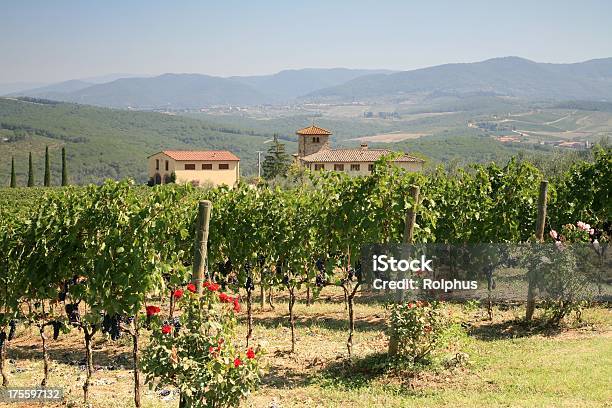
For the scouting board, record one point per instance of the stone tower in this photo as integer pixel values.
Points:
(312, 139)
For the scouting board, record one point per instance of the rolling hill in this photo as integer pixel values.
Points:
(57, 89)
(108, 143)
(289, 84)
(181, 91)
(509, 76)
(168, 90)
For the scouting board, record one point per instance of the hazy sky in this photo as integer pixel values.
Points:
(56, 40)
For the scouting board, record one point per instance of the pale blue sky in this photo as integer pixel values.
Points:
(57, 40)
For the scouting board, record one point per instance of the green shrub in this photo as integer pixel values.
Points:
(419, 327)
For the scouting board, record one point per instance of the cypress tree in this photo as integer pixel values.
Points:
(47, 180)
(277, 161)
(64, 170)
(30, 172)
(13, 179)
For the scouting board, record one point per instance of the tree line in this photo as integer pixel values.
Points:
(47, 175)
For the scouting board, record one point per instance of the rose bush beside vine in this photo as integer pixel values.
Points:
(201, 359)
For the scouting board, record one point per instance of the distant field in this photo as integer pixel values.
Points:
(390, 137)
(560, 123)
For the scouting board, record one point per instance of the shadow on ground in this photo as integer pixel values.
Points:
(279, 378)
(70, 355)
(512, 329)
(329, 323)
(355, 373)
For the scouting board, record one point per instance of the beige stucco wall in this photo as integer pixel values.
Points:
(363, 167)
(202, 177)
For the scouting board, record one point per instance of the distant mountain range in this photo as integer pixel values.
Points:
(40, 88)
(290, 84)
(197, 90)
(508, 76)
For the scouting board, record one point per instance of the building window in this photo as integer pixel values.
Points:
(207, 166)
(339, 167)
(319, 166)
(189, 166)
(315, 139)
(166, 165)
(370, 168)
(355, 167)
(223, 166)
(156, 164)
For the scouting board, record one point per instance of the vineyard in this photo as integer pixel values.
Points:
(114, 263)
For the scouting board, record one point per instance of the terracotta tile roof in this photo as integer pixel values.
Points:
(313, 130)
(354, 155)
(201, 155)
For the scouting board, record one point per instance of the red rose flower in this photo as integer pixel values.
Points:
(152, 310)
(166, 329)
(213, 287)
(221, 341)
(225, 298)
(236, 305)
(178, 293)
(410, 305)
(191, 287)
(250, 353)
(237, 362)
(211, 349)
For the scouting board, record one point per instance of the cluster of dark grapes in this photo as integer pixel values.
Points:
(225, 271)
(320, 280)
(279, 272)
(176, 322)
(66, 287)
(11, 335)
(249, 285)
(227, 267)
(355, 272)
(57, 326)
(72, 311)
(12, 328)
(111, 325)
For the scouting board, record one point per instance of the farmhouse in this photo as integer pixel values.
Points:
(315, 153)
(198, 167)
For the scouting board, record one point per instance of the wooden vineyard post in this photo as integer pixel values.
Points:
(201, 244)
(408, 240)
(541, 222)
